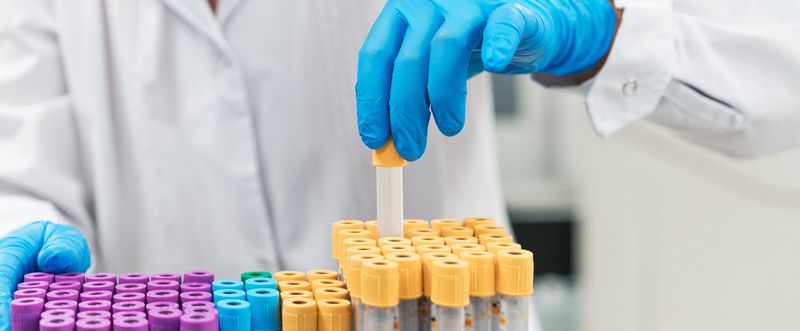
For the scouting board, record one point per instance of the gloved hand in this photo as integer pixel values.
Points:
(420, 53)
(39, 246)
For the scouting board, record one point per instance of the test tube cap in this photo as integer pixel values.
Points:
(126, 314)
(197, 304)
(96, 314)
(426, 240)
(254, 283)
(356, 251)
(98, 285)
(296, 294)
(452, 240)
(264, 304)
(515, 272)
(26, 306)
(93, 295)
(350, 233)
(127, 306)
(424, 249)
(195, 287)
(196, 296)
(71, 276)
(93, 324)
(299, 314)
(489, 229)
(166, 276)
(102, 277)
(58, 313)
(130, 324)
(458, 248)
(409, 267)
(450, 283)
(288, 275)
(387, 156)
(353, 273)
(165, 319)
(198, 276)
(350, 243)
(441, 223)
(327, 283)
(313, 275)
(39, 276)
(234, 315)
(220, 295)
(129, 296)
(493, 247)
(393, 241)
(334, 315)
(57, 324)
(160, 305)
(131, 288)
(291, 285)
(411, 233)
(30, 293)
(161, 284)
(472, 222)
(61, 304)
(162, 296)
(481, 272)
(427, 262)
(380, 282)
(413, 223)
(397, 248)
(134, 278)
(205, 310)
(254, 274)
(92, 305)
(226, 284)
(456, 231)
(339, 226)
(66, 285)
(265, 295)
(491, 238)
(192, 321)
(372, 227)
(33, 284)
(330, 293)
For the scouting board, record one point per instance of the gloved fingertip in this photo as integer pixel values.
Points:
(64, 250)
(409, 150)
(495, 57)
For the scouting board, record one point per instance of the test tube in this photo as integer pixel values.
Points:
(290, 285)
(226, 284)
(163, 296)
(356, 251)
(458, 248)
(127, 306)
(347, 234)
(207, 310)
(386, 249)
(162, 284)
(255, 283)
(333, 315)
(296, 294)
(254, 274)
(131, 288)
(456, 231)
(198, 276)
(94, 305)
(409, 267)
(57, 324)
(95, 315)
(70, 277)
(229, 295)
(92, 295)
(424, 249)
(25, 313)
(349, 243)
(134, 278)
(380, 282)
(126, 297)
(411, 233)
(472, 222)
(339, 226)
(441, 223)
(199, 322)
(194, 287)
(326, 283)
(93, 325)
(452, 240)
(58, 313)
(393, 241)
(99, 285)
(494, 247)
(372, 227)
(196, 296)
(489, 229)
(165, 319)
(330, 293)
(66, 285)
(481, 289)
(449, 294)
(313, 275)
(425, 299)
(299, 314)
(426, 240)
(130, 324)
(33, 284)
(160, 305)
(61, 304)
(514, 286)
(102, 277)
(166, 276)
(411, 223)
(288, 275)
(490, 238)
(39, 276)
(265, 309)
(197, 304)
(234, 315)
(353, 276)
(127, 314)
(30, 293)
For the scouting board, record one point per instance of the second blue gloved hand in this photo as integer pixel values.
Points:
(420, 53)
(39, 246)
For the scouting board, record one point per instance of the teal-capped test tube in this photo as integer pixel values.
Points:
(255, 274)
(220, 295)
(227, 284)
(234, 315)
(254, 283)
(264, 305)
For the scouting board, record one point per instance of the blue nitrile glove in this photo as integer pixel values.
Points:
(39, 246)
(420, 53)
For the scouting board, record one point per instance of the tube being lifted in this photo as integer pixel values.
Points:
(389, 183)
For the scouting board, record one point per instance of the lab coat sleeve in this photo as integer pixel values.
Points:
(40, 177)
(710, 73)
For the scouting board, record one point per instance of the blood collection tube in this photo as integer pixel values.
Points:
(33, 284)
(348, 234)
(441, 223)
(425, 299)
(289, 285)
(71, 277)
(129, 314)
(30, 293)
(198, 276)
(66, 285)
(197, 304)
(94, 295)
(265, 308)
(354, 285)
(380, 294)
(130, 324)
(227, 284)
(94, 315)
(100, 285)
(456, 231)
(288, 275)
(355, 251)
(196, 296)
(165, 319)
(296, 294)
(160, 305)
(163, 284)
(489, 229)
(58, 313)
(25, 313)
(163, 296)
(349, 243)
(393, 241)
(131, 288)
(131, 296)
(331, 293)
(166, 276)
(254, 274)
(134, 278)
(102, 277)
(411, 233)
(93, 325)
(101, 305)
(452, 240)
(372, 227)
(127, 306)
(413, 223)
(229, 295)
(62, 295)
(449, 294)
(299, 314)
(339, 226)
(199, 322)
(61, 304)
(514, 286)
(490, 238)
(426, 240)
(397, 248)
(234, 315)
(481, 288)
(472, 222)
(205, 310)
(195, 287)
(255, 283)
(327, 283)
(458, 248)
(333, 315)
(424, 249)
(39, 276)
(57, 324)
(494, 247)
(409, 266)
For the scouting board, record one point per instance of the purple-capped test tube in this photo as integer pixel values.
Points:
(195, 287)
(71, 277)
(58, 313)
(131, 287)
(25, 313)
(102, 277)
(165, 319)
(96, 295)
(129, 314)
(199, 322)
(196, 296)
(66, 285)
(198, 276)
(61, 304)
(62, 295)
(93, 325)
(197, 304)
(166, 276)
(162, 296)
(130, 324)
(30, 293)
(102, 305)
(160, 305)
(134, 278)
(127, 306)
(163, 284)
(33, 284)
(127, 297)
(57, 324)
(101, 285)
(39, 277)
(93, 314)
(202, 310)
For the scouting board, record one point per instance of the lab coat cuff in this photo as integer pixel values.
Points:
(638, 69)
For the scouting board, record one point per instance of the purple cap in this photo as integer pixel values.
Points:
(103, 305)
(129, 314)
(62, 295)
(66, 285)
(127, 306)
(61, 304)
(102, 277)
(162, 296)
(131, 287)
(202, 310)
(102, 285)
(163, 284)
(126, 297)
(195, 287)
(160, 305)
(57, 324)
(39, 276)
(93, 325)
(165, 319)
(96, 295)
(130, 324)
(33, 284)
(134, 278)
(166, 276)
(199, 322)
(58, 313)
(198, 276)
(71, 277)
(93, 314)
(196, 296)
(30, 293)
(25, 313)
(197, 304)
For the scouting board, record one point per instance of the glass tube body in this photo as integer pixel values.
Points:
(514, 312)
(380, 318)
(409, 315)
(480, 311)
(447, 318)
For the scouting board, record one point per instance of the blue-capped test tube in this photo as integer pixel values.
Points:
(265, 308)
(234, 315)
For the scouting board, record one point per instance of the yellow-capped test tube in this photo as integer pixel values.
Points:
(354, 286)
(299, 314)
(291, 285)
(313, 275)
(353, 242)
(372, 227)
(411, 223)
(296, 294)
(471, 222)
(425, 299)
(409, 266)
(491, 238)
(326, 283)
(514, 286)
(422, 250)
(333, 315)
(460, 240)
(331, 293)
(426, 240)
(411, 233)
(457, 231)
(489, 229)
(380, 294)
(481, 289)
(458, 248)
(441, 223)
(450, 294)
(493, 247)
(393, 241)
(397, 248)
(355, 251)
(289, 275)
(339, 226)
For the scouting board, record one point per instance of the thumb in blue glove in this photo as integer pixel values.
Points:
(39, 246)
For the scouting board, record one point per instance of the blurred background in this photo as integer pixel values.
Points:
(643, 231)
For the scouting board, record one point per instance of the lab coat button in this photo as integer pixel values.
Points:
(629, 88)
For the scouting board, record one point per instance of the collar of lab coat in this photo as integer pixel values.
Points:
(198, 14)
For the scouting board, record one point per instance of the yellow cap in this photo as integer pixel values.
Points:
(397, 248)
(439, 224)
(492, 238)
(352, 242)
(412, 223)
(458, 248)
(334, 315)
(350, 233)
(387, 156)
(380, 281)
(427, 260)
(489, 229)
(515, 272)
(409, 265)
(481, 272)
(422, 250)
(313, 275)
(427, 240)
(288, 275)
(372, 227)
(339, 226)
(299, 314)
(296, 294)
(291, 285)
(411, 233)
(471, 222)
(393, 241)
(456, 231)
(354, 272)
(355, 251)
(460, 240)
(493, 247)
(330, 293)
(317, 283)
(450, 282)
